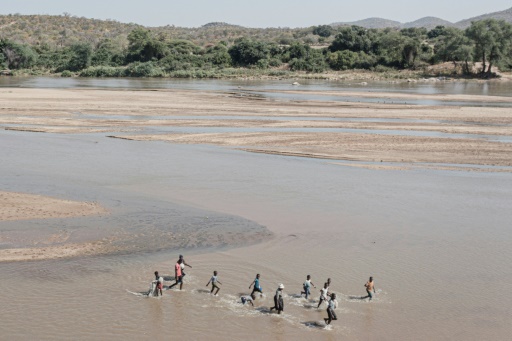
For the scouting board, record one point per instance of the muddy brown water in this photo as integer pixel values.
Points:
(437, 242)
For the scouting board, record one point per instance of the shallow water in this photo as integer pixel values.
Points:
(422, 133)
(490, 88)
(437, 242)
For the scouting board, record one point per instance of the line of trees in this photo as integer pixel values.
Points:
(152, 54)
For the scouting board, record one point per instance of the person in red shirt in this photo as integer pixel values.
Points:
(178, 274)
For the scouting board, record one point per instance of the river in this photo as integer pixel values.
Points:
(437, 242)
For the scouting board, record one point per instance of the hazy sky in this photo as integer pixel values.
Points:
(255, 13)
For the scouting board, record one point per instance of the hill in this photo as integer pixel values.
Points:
(370, 23)
(63, 30)
(502, 15)
(219, 24)
(428, 23)
(60, 30)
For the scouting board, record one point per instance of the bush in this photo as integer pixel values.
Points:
(323, 31)
(103, 71)
(246, 52)
(148, 69)
(274, 62)
(67, 73)
(262, 64)
(16, 56)
(383, 68)
(80, 56)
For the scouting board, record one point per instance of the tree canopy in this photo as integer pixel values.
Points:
(148, 52)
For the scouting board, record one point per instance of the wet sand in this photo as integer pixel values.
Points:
(18, 206)
(22, 206)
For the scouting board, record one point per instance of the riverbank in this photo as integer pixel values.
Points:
(23, 206)
(439, 73)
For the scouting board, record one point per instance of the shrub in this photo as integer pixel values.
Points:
(148, 69)
(103, 71)
(67, 73)
(80, 56)
(16, 56)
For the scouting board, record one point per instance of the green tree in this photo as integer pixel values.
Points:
(492, 40)
(218, 55)
(436, 32)
(80, 56)
(354, 39)
(410, 51)
(342, 60)
(304, 58)
(246, 52)
(137, 40)
(323, 30)
(17, 56)
(345, 60)
(390, 49)
(143, 47)
(107, 53)
(414, 32)
(452, 45)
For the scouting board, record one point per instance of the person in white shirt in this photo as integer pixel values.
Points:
(324, 293)
(307, 287)
(214, 282)
(278, 299)
(159, 282)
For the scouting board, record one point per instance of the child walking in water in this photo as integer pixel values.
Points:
(333, 304)
(247, 299)
(214, 282)
(370, 286)
(324, 292)
(159, 284)
(307, 287)
(256, 287)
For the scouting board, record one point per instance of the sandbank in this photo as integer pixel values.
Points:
(22, 206)
(150, 115)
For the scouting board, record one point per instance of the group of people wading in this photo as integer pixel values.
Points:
(325, 295)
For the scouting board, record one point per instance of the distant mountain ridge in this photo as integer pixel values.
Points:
(426, 22)
(372, 23)
(502, 15)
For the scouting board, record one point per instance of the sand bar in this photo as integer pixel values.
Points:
(147, 115)
(22, 206)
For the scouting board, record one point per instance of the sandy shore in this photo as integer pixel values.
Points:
(22, 206)
(19, 241)
(144, 116)
(52, 252)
